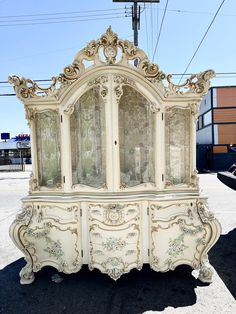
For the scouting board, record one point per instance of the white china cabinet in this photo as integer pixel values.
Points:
(114, 182)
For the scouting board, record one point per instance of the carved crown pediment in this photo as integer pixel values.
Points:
(109, 50)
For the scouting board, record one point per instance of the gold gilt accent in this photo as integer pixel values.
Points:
(196, 84)
(27, 88)
(104, 51)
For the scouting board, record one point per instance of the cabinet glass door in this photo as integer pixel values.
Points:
(177, 139)
(136, 138)
(87, 129)
(48, 148)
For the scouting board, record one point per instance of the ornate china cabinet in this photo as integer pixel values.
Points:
(114, 182)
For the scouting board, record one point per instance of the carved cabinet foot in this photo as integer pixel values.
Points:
(26, 275)
(206, 273)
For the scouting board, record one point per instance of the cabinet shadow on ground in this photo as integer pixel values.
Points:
(92, 292)
(223, 258)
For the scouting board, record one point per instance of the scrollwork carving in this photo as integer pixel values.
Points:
(25, 215)
(197, 84)
(30, 113)
(154, 107)
(33, 184)
(110, 44)
(69, 110)
(113, 215)
(71, 72)
(119, 81)
(114, 267)
(194, 110)
(27, 88)
(194, 180)
(100, 81)
(152, 71)
(204, 213)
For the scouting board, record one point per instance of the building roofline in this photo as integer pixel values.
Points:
(222, 86)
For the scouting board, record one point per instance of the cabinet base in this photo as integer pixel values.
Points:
(118, 236)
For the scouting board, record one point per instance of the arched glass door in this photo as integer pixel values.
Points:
(88, 147)
(136, 138)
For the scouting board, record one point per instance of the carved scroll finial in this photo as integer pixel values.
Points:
(110, 50)
(27, 88)
(109, 41)
(197, 84)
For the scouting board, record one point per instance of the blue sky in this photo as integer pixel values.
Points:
(41, 51)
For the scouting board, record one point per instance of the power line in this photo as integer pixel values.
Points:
(57, 22)
(59, 13)
(194, 12)
(152, 28)
(186, 69)
(218, 75)
(62, 18)
(173, 74)
(146, 28)
(163, 17)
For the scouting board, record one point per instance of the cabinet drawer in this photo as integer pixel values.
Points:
(115, 237)
(167, 210)
(58, 212)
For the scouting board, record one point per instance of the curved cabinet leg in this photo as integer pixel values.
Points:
(22, 220)
(26, 274)
(206, 270)
(206, 273)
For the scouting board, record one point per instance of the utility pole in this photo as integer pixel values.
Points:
(136, 15)
(136, 21)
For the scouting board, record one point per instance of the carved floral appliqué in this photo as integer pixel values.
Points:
(113, 244)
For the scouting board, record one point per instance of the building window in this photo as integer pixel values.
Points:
(200, 124)
(207, 118)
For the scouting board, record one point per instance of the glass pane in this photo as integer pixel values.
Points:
(136, 135)
(177, 134)
(87, 127)
(48, 148)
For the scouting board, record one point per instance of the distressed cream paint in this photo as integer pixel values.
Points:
(114, 181)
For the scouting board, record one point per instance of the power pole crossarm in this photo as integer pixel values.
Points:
(136, 15)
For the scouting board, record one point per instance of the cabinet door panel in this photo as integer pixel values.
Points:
(136, 137)
(114, 238)
(53, 237)
(87, 127)
(177, 141)
(48, 148)
(177, 235)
